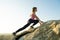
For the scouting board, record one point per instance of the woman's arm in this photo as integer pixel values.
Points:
(41, 22)
(37, 18)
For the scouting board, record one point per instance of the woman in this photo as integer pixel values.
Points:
(34, 19)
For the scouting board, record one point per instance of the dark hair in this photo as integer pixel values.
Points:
(33, 9)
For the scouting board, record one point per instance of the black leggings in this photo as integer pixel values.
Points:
(29, 22)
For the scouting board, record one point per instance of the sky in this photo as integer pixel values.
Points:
(14, 14)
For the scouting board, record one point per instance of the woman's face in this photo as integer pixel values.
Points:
(35, 10)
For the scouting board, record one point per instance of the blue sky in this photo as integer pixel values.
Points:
(15, 13)
(47, 9)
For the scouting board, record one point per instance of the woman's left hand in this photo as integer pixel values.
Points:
(41, 22)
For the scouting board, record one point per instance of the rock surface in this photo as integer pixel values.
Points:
(50, 30)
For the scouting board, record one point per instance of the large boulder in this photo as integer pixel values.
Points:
(50, 30)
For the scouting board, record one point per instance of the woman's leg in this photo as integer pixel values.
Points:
(25, 26)
(35, 22)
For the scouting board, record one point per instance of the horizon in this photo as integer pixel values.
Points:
(14, 14)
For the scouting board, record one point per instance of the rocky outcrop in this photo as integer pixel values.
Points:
(50, 30)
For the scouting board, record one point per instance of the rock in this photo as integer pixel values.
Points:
(57, 29)
(50, 30)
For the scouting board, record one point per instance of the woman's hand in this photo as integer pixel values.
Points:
(41, 22)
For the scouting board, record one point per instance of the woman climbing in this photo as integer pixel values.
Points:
(34, 19)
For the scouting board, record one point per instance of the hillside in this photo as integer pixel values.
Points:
(50, 30)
